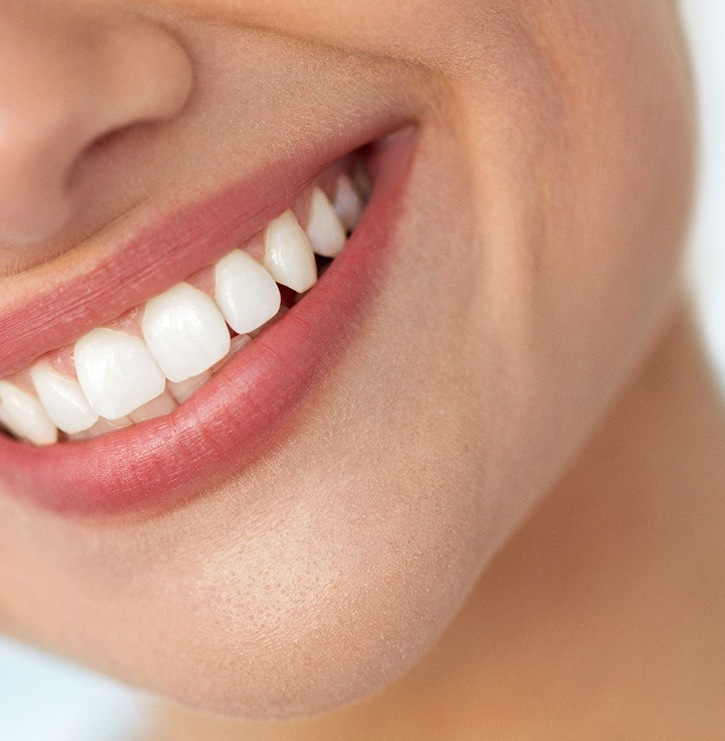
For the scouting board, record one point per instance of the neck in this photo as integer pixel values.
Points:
(602, 618)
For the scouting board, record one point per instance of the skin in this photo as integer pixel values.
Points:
(499, 474)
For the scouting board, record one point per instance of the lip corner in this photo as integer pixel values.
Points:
(164, 462)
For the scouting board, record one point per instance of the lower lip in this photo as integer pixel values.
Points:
(250, 405)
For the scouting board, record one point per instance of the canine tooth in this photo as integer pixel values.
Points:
(245, 292)
(186, 389)
(185, 332)
(288, 254)
(63, 399)
(25, 416)
(325, 230)
(158, 407)
(116, 372)
(348, 202)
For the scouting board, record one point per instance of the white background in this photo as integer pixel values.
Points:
(43, 699)
(707, 32)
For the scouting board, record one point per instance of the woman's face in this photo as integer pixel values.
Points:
(308, 524)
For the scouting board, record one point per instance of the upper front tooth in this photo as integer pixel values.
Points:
(25, 416)
(63, 399)
(185, 332)
(288, 253)
(245, 292)
(325, 230)
(116, 372)
(348, 202)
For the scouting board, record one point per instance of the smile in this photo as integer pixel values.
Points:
(155, 357)
(147, 408)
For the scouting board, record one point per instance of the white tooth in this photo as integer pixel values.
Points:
(116, 424)
(185, 332)
(288, 254)
(63, 399)
(245, 292)
(116, 372)
(102, 427)
(325, 230)
(25, 416)
(186, 389)
(240, 341)
(348, 202)
(158, 407)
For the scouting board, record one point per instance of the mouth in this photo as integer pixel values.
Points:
(168, 394)
(156, 356)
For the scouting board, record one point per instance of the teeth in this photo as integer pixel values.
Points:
(325, 230)
(63, 399)
(25, 416)
(159, 355)
(116, 372)
(245, 292)
(158, 407)
(186, 389)
(102, 427)
(288, 253)
(348, 203)
(240, 341)
(185, 332)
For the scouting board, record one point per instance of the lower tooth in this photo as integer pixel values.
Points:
(239, 342)
(186, 389)
(102, 427)
(159, 407)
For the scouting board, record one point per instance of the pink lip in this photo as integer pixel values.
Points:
(248, 406)
(166, 249)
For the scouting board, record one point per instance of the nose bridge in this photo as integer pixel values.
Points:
(65, 81)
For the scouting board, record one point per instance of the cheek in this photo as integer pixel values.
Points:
(327, 569)
(442, 36)
(584, 169)
(538, 251)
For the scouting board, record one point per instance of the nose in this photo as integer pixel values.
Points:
(66, 81)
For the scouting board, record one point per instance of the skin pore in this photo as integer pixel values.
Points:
(602, 618)
(524, 421)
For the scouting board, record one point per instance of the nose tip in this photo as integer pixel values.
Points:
(66, 82)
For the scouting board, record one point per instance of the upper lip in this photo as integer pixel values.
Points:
(252, 403)
(144, 253)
